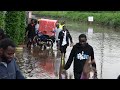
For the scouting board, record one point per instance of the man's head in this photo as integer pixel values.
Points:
(32, 21)
(82, 39)
(64, 28)
(7, 49)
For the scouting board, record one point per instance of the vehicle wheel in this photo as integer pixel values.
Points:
(49, 43)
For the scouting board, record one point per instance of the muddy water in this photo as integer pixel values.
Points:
(37, 64)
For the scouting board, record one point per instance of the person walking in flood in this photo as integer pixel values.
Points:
(30, 33)
(80, 53)
(64, 37)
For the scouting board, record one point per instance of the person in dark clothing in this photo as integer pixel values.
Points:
(8, 67)
(30, 32)
(64, 37)
(80, 53)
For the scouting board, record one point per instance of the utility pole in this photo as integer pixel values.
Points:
(28, 16)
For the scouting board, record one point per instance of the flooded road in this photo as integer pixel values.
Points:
(37, 64)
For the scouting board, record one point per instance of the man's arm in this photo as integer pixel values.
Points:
(70, 59)
(92, 58)
(60, 35)
(70, 36)
(93, 64)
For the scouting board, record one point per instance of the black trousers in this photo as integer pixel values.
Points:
(77, 75)
(63, 49)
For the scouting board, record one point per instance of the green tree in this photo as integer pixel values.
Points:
(12, 25)
(2, 17)
(15, 25)
(22, 26)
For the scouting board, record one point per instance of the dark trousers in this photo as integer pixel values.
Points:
(77, 75)
(63, 49)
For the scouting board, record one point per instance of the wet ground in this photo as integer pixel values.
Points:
(37, 64)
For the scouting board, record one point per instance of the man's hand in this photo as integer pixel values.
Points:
(95, 72)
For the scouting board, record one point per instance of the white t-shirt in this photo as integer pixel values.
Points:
(36, 28)
(64, 39)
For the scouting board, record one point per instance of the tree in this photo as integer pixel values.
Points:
(22, 26)
(15, 25)
(2, 18)
(12, 25)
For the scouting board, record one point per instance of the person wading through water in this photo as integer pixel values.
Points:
(64, 37)
(80, 53)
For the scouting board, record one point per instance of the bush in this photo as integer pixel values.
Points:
(22, 26)
(2, 18)
(15, 25)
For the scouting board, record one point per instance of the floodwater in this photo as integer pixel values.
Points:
(37, 64)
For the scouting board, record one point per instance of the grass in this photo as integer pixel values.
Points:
(104, 18)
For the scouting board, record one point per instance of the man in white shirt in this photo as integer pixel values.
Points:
(64, 37)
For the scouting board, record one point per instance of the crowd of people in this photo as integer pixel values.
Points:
(82, 53)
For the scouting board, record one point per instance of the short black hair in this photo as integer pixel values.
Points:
(32, 20)
(64, 26)
(4, 43)
(82, 36)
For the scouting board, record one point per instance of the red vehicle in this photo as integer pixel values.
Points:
(47, 25)
(47, 28)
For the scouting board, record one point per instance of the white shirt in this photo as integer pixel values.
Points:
(64, 39)
(36, 28)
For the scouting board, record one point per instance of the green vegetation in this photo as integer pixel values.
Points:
(22, 26)
(2, 18)
(104, 18)
(15, 25)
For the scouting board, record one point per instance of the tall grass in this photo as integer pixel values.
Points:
(104, 18)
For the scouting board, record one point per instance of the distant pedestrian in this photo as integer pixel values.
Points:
(30, 33)
(64, 37)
